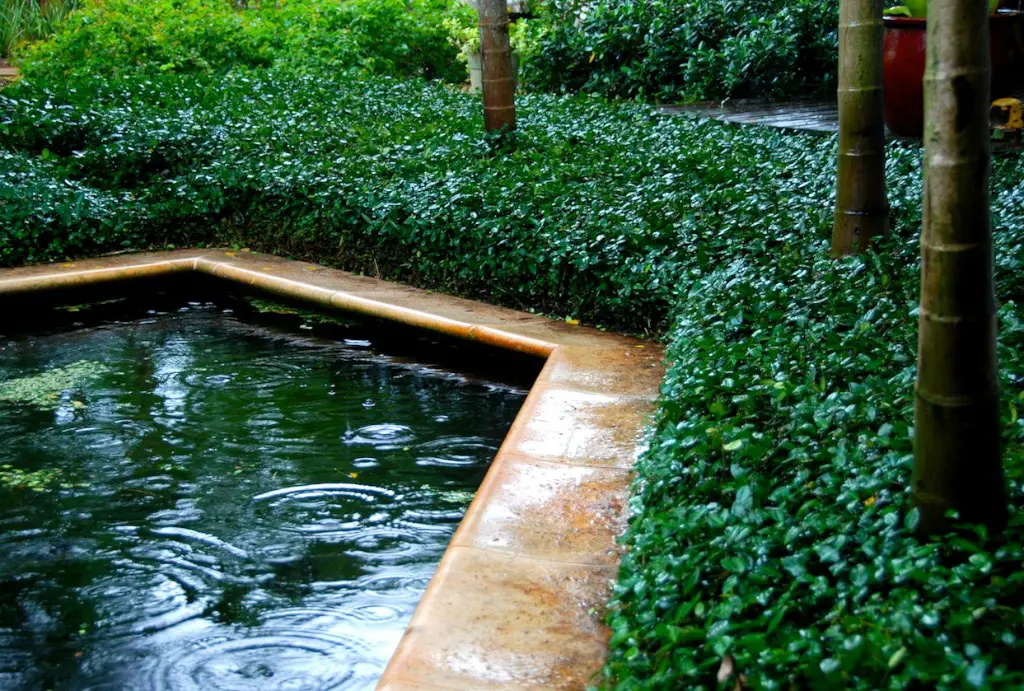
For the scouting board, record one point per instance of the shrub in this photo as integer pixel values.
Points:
(111, 37)
(30, 20)
(667, 50)
(462, 25)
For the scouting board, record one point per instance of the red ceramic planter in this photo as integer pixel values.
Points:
(903, 68)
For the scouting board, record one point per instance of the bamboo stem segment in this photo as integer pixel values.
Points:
(957, 452)
(496, 57)
(862, 211)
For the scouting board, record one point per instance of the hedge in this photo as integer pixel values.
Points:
(663, 50)
(114, 37)
(684, 50)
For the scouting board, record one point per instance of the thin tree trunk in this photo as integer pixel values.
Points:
(861, 208)
(496, 55)
(957, 455)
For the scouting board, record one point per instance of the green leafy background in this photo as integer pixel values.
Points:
(771, 520)
(684, 50)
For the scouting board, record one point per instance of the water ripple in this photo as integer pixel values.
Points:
(244, 508)
(325, 489)
(280, 659)
(455, 451)
(384, 436)
(171, 598)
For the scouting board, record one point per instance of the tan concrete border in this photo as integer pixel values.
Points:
(8, 74)
(518, 598)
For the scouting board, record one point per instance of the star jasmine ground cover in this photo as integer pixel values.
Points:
(771, 519)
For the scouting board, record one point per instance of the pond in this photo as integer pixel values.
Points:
(207, 496)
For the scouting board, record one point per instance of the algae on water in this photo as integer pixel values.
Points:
(456, 496)
(44, 390)
(449, 496)
(308, 316)
(37, 481)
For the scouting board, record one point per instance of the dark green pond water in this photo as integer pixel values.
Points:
(192, 500)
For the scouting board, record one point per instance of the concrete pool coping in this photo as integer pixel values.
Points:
(518, 597)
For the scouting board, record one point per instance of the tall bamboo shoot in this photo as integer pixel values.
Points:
(861, 208)
(957, 452)
(496, 54)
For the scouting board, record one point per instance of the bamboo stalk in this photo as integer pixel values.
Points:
(496, 57)
(957, 452)
(862, 211)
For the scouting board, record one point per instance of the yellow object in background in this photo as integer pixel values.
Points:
(1007, 114)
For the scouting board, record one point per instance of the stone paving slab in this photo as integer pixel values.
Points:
(492, 620)
(518, 598)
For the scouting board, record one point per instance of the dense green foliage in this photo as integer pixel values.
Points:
(653, 49)
(109, 37)
(30, 20)
(380, 175)
(772, 521)
(671, 50)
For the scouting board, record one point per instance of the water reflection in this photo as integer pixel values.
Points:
(230, 512)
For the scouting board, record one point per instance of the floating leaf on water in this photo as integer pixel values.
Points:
(456, 496)
(451, 496)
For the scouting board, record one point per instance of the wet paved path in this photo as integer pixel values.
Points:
(807, 116)
(817, 116)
